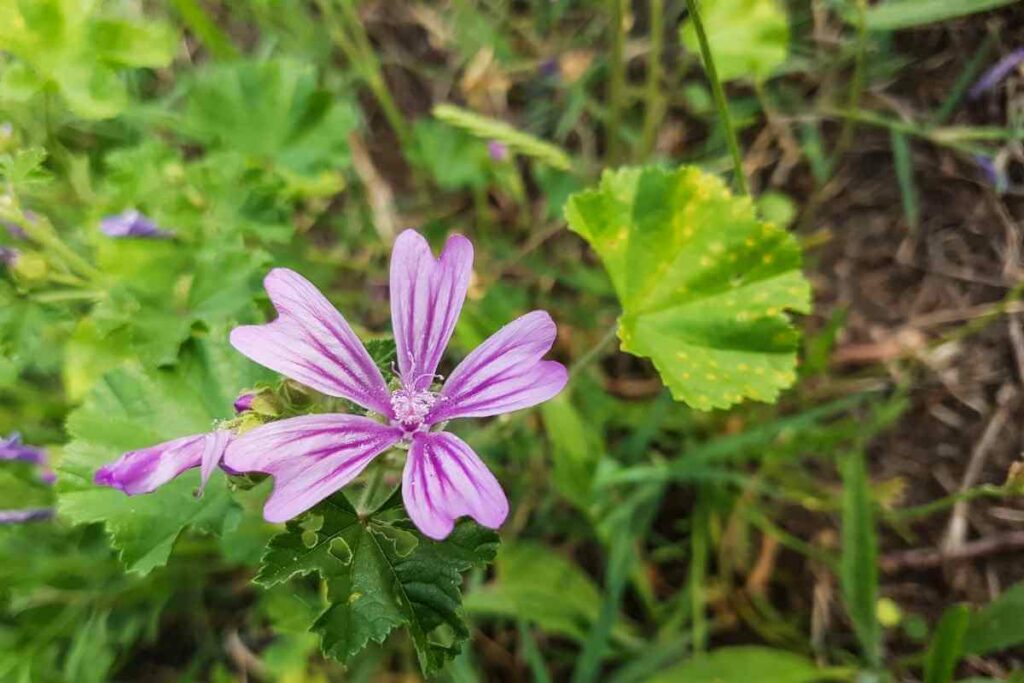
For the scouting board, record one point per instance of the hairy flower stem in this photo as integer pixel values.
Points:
(719, 94)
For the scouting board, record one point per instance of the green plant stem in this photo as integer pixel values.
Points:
(719, 94)
(198, 21)
(918, 511)
(591, 353)
(653, 105)
(348, 33)
(616, 79)
(42, 233)
(856, 85)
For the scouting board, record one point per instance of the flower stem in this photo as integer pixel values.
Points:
(591, 353)
(653, 104)
(616, 79)
(719, 94)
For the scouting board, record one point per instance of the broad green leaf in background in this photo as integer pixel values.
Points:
(946, 646)
(892, 15)
(997, 626)
(858, 569)
(131, 408)
(749, 38)
(272, 110)
(380, 574)
(573, 450)
(69, 45)
(704, 285)
(748, 663)
(542, 587)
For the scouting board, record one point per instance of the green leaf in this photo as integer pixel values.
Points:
(947, 645)
(383, 352)
(131, 408)
(704, 285)
(749, 38)
(574, 453)
(542, 587)
(858, 569)
(893, 15)
(131, 43)
(380, 574)
(748, 663)
(272, 110)
(999, 625)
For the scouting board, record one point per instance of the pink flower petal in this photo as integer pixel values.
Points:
(214, 445)
(310, 457)
(505, 373)
(146, 469)
(426, 298)
(444, 480)
(311, 343)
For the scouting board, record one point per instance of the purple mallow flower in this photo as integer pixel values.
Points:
(132, 223)
(313, 456)
(996, 73)
(147, 469)
(25, 515)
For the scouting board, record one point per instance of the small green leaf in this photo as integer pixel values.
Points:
(858, 571)
(999, 625)
(704, 285)
(947, 645)
(131, 408)
(380, 575)
(893, 15)
(748, 663)
(383, 352)
(749, 38)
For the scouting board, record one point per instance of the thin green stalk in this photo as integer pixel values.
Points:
(348, 33)
(719, 94)
(591, 353)
(856, 84)
(653, 104)
(205, 29)
(617, 78)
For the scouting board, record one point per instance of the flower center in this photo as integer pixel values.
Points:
(411, 407)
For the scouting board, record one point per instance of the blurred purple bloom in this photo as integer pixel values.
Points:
(146, 469)
(8, 256)
(996, 73)
(12, 448)
(132, 223)
(549, 68)
(25, 515)
(313, 456)
(244, 402)
(995, 176)
(497, 150)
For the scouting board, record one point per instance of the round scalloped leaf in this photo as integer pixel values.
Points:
(704, 285)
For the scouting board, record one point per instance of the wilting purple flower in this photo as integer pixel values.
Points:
(996, 73)
(497, 150)
(132, 223)
(25, 515)
(313, 456)
(12, 448)
(146, 469)
(244, 402)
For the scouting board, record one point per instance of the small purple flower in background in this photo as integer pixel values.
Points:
(132, 223)
(497, 150)
(9, 256)
(146, 469)
(996, 73)
(313, 456)
(995, 175)
(12, 448)
(25, 515)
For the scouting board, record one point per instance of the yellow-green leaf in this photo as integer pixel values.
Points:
(704, 285)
